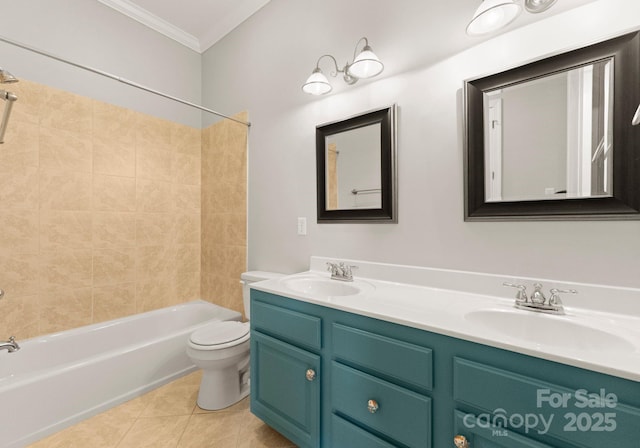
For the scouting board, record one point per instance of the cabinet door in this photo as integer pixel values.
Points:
(285, 389)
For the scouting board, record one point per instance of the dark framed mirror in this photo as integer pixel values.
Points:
(356, 168)
(553, 139)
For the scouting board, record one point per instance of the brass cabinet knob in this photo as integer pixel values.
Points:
(461, 442)
(372, 406)
(311, 375)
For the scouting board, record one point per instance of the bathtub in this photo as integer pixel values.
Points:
(59, 379)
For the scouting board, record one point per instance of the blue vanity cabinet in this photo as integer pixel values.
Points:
(286, 371)
(383, 385)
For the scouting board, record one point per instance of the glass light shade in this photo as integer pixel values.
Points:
(366, 64)
(492, 15)
(317, 83)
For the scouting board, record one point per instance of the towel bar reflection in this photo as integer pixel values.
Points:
(366, 191)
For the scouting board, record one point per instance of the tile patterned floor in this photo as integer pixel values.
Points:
(168, 417)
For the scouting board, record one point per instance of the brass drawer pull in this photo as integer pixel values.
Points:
(311, 374)
(372, 406)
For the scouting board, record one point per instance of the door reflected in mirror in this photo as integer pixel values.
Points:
(551, 137)
(353, 165)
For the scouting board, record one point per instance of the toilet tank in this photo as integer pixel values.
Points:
(246, 278)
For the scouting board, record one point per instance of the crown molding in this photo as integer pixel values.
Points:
(154, 22)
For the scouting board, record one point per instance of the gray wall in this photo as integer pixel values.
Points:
(261, 66)
(89, 33)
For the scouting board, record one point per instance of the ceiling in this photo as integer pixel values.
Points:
(198, 24)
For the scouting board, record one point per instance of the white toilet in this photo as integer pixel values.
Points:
(221, 350)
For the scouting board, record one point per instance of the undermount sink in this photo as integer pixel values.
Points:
(548, 330)
(323, 287)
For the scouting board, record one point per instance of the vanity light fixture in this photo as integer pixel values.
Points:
(492, 15)
(365, 65)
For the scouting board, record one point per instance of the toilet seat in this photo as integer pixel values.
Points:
(219, 335)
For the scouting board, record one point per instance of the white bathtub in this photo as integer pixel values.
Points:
(59, 379)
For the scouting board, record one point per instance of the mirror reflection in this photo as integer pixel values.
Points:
(551, 137)
(353, 169)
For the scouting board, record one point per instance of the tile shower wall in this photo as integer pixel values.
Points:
(99, 212)
(224, 211)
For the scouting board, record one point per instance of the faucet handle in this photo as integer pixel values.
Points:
(555, 300)
(521, 295)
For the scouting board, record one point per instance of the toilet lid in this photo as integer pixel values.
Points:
(220, 333)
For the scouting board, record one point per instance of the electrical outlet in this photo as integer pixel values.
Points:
(302, 226)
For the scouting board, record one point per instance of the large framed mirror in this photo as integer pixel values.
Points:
(356, 168)
(553, 139)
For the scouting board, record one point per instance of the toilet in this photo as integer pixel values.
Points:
(221, 350)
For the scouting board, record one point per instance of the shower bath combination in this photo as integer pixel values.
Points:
(9, 98)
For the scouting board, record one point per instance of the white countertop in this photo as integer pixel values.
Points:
(603, 341)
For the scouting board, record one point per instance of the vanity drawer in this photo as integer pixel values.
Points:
(402, 415)
(291, 326)
(572, 418)
(391, 358)
(345, 434)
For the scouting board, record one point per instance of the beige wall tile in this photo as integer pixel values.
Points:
(19, 274)
(154, 229)
(113, 266)
(113, 193)
(186, 168)
(65, 309)
(66, 111)
(188, 286)
(153, 163)
(187, 258)
(114, 124)
(114, 229)
(21, 145)
(65, 229)
(187, 228)
(113, 157)
(153, 261)
(19, 188)
(114, 301)
(154, 293)
(20, 231)
(102, 210)
(65, 191)
(185, 139)
(62, 150)
(153, 196)
(20, 317)
(65, 269)
(186, 198)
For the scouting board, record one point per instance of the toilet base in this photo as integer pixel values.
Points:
(222, 388)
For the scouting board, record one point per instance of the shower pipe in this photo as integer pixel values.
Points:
(119, 79)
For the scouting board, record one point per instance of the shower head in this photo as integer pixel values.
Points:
(6, 77)
(9, 98)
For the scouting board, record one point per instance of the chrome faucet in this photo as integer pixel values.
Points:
(11, 345)
(538, 302)
(341, 271)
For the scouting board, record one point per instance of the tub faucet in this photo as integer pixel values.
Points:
(11, 345)
(341, 271)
